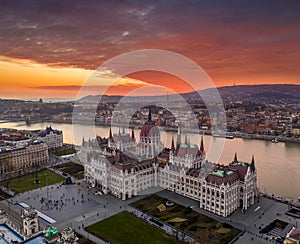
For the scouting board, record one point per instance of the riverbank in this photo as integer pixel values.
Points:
(277, 163)
(230, 135)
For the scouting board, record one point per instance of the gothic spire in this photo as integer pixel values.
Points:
(132, 134)
(252, 165)
(235, 158)
(178, 137)
(202, 145)
(110, 133)
(149, 114)
(172, 144)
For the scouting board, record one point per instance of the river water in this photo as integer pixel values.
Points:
(278, 164)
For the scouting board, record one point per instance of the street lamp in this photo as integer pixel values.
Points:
(47, 204)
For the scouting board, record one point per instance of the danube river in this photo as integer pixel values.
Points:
(278, 164)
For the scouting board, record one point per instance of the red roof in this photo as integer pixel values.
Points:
(241, 169)
(226, 179)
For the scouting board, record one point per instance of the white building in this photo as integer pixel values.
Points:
(53, 138)
(181, 169)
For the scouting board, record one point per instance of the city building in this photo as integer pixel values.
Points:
(53, 138)
(68, 236)
(17, 158)
(182, 169)
(30, 222)
(293, 237)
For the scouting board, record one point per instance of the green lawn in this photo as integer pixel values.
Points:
(200, 226)
(71, 168)
(28, 182)
(126, 228)
(64, 152)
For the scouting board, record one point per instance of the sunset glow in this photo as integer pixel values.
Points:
(50, 51)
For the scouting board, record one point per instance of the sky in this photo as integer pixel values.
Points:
(49, 49)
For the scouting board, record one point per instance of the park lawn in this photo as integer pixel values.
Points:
(126, 228)
(26, 182)
(65, 152)
(71, 168)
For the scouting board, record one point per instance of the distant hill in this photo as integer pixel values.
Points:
(275, 93)
(272, 93)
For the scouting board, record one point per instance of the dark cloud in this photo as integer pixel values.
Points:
(217, 34)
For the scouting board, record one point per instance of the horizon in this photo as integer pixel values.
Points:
(61, 99)
(50, 49)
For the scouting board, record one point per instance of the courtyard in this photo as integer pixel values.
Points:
(201, 227)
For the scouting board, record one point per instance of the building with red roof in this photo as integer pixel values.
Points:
(182, 168)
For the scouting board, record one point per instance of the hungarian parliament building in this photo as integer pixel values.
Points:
(123, 167)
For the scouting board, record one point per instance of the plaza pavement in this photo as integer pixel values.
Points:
(82, 208)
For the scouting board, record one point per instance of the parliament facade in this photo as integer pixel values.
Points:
(124, 168)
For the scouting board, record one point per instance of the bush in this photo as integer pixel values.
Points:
(187, 211)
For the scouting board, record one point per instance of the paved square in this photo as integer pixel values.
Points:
(65, 201)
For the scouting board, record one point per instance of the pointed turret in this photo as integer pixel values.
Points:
(178, 137)
(149, 115)
(202, 145)
(172, 144)
(110, 133)
(252, 165)
(132, 134)
(235, 158)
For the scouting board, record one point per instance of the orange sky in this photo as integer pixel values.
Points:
(49, 50)
(26, 79)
